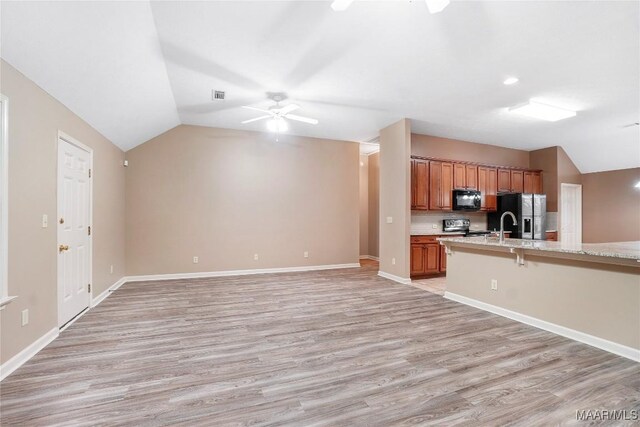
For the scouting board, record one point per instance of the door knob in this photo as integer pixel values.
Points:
(63, 248)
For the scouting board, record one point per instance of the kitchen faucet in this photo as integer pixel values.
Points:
(515, 222)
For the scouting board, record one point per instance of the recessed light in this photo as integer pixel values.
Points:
(436, 6)
(340, 5)
(510, 81)
(542, 111)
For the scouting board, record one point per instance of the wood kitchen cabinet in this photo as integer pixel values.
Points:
(504, 180)
(428, 257)
(433, 181)
(510, 181)
(488, 187)
(517, 181)
(440, 185)
(443, 259)
(419, 184)
(532, 182)
(465, 176)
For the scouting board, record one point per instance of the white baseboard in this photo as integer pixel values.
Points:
(394, 278)
(224, 273)
(371, 257)
(19, 359)
(97, 300)
(606, 345)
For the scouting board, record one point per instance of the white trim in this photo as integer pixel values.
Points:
(19, 359)
(394, 278)
(224, 273)
(564, 188)
(69, 139)
(371, 257)
(97, 300)
(606, 345)
(4, 203)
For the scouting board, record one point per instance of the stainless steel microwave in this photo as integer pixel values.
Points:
(466, 200)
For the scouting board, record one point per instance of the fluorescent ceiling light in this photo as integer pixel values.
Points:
(510, 81)
(340, 5)
(637, 184)
(436, 6)
(542, 111)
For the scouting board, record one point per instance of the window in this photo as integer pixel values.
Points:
(4, 188)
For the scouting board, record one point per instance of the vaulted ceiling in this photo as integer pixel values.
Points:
(136, 69)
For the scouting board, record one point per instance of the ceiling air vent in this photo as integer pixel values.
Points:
(217, 94)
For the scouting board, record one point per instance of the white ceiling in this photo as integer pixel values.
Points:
(134, 69)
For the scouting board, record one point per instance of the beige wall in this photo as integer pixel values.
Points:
(395, 198)
(374, 204)
(453, 149)
(597, 299)
(611, 206)
(546, 159)
(364, 204)
(225, 195)
(34, 121)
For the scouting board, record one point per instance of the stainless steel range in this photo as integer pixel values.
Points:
(461, 225)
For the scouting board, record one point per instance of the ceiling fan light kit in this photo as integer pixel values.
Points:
(277, 115)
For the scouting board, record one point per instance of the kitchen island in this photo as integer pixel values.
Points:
(587, 292)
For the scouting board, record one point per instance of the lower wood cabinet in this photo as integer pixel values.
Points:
(428, 257)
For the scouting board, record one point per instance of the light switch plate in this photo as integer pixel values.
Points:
(255, 257)
(389, 220)
(306, 254)
(25, 317)
(45, 221)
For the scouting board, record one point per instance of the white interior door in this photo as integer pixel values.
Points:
(74, 254)
(571, 213)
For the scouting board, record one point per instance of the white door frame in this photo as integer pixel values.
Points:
(63, 136)
(4, 209)
(564, 188)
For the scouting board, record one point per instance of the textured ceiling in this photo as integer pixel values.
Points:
(134, 69)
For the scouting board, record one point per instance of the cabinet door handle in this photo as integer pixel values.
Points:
(63, 248)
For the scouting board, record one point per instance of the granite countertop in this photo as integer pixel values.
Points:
(623, 250)
(440, 233)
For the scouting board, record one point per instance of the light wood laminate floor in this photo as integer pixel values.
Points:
(327, 348)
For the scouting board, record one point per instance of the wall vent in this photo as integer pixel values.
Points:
(217, 95)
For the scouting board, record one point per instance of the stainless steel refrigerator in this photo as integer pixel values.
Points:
(529, 209)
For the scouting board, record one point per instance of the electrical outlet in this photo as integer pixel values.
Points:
(255, 257)
(393, 261)
(196, 259)
(111, 269)
(494, 285)
(306, 254)
(45, 221)
(434, 226)
(25, 317)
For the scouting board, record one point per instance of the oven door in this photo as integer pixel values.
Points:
(466, 200)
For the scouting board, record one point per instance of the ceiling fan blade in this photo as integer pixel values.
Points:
(262, 110)
(256, 119)
(288, 108)
(301, 119)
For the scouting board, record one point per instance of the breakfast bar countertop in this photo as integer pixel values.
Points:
(622, 250)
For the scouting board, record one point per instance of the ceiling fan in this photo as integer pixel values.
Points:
(277, 115)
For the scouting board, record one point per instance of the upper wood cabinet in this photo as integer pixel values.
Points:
(532, 182)
(488, 187)
(517, 181)
(504, 180)
(433, 181)
(419, 184)
(465, 176)
(510, 181)
(440, 185)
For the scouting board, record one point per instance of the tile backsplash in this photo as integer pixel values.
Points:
(423, 222)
